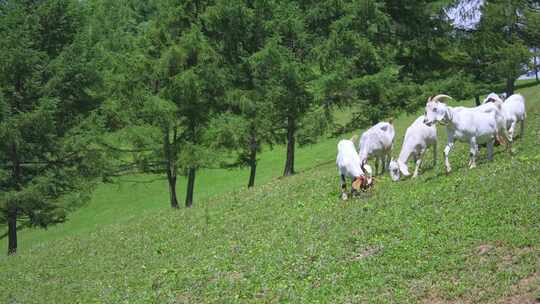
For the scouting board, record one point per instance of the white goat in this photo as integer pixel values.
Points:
(513, 111)
(377, 142)
(465, 124)
(349, 165)
(493, 96)
(495, 107)
(418, 138)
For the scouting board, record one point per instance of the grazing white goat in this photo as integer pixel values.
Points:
(465, 124)
(513, 111)
(418, 138)
(377, 142)
(349, 165)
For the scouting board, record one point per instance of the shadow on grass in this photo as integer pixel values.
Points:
(437, 175)
(527, 84)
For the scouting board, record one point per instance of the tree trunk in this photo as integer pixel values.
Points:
(289, 162)
(477, 100)
(190, 186)
(172, 189)
(12, 232)
(16, 169)
(12, 211)
(509, 86)
(170, 154)
(253, 166)
(536, 68)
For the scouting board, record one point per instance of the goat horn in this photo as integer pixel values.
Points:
(436, 98)
(429, 98)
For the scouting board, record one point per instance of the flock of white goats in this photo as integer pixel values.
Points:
(495, 119)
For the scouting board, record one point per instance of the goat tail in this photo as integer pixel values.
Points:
(354, 138)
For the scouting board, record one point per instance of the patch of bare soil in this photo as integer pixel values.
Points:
(433, 298)
(366, 252)
(483, 249)
(525, 291)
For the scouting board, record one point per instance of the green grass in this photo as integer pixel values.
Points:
(471, 236)
(133, 196)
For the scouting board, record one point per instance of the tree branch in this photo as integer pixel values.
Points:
(125, 150)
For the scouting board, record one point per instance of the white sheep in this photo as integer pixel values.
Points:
(465, 124)
(418, 138)
(377, 142)
(349, 165)
(513, 111)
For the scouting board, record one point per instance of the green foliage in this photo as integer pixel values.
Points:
(170, 89)
(315, 123)
(46, 161)
(237, 31)
(531, 33)
(497, 48)
(180, 68)
(283, 80)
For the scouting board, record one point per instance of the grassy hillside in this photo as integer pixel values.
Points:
(471, 236)
(133, 196)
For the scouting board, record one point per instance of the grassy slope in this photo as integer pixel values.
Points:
(134, 196)
(470, 236)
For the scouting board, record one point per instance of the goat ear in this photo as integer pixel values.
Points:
(429, 98)
(440, 96)
(363, 165)
(367, 170)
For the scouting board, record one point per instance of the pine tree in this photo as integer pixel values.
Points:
(282, 73)
(236, 29)
(46, 126)
(531, 34)
(171, 83)
(497, 44)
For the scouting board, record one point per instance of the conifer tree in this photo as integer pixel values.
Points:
(237, 30)
(172, 85)
(48, 160)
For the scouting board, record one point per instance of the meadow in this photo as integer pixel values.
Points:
(468, 237)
